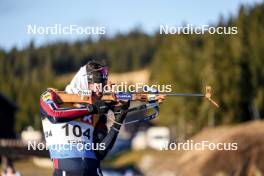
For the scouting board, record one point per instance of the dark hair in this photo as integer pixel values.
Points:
(93, 69)
(93, 66)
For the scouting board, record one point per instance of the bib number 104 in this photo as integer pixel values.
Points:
(77, 131)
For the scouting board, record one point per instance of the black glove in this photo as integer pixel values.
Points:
(100, 107)
(122, 111)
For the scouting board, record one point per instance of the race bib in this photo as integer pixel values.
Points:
(69, 140)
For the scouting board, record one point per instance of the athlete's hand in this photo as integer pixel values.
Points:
(122, 112)
(100, 107)
(160, 98)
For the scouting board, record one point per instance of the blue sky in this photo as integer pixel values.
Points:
(116, 15)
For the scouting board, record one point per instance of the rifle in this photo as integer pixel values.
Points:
(151, 101)
(124, 96)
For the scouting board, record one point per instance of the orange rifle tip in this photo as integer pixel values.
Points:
(208, 95)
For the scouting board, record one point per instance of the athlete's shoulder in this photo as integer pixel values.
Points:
(48, 95)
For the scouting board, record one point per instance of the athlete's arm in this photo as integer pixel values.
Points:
(108, 139)
(50, 107)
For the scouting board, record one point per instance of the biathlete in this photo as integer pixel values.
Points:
(77, 137)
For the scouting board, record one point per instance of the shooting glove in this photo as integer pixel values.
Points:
(100, 107)
(122, 112)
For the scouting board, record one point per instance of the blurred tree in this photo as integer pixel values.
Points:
(232, 64)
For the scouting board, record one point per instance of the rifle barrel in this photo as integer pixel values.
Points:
(183, 94)
(165, 94)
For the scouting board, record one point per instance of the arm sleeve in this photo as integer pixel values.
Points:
(101, 136)
(50, 107)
